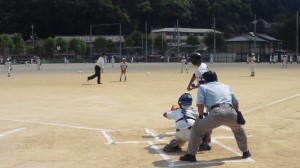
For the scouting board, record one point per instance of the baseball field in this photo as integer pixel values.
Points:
(54, 118)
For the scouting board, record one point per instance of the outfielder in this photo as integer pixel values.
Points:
(123, 66)
(38, 63)
(8, 66)
(184, 117)
(284, 60)
(184, 64)
(251, 60)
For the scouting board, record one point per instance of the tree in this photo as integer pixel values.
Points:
(160, 43)
(6, 42)
(134, 39)
(101, 44)
(78, 46)
(193, 40)
(209, 40)
(49, 46)
(63, 44)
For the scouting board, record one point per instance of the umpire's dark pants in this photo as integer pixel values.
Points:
(97, 74)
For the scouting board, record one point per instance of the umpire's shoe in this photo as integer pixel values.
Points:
(205, 147)
(246, 154)
(187, 157)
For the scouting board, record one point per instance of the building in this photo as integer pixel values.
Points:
(170, 34)
(261, 44)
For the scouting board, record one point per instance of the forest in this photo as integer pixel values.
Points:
(49, 18)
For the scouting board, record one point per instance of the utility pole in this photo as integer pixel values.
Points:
(214, 36)
(32, 35)
(255, 33)
(146, 45)
(178, 40)
(297, 35)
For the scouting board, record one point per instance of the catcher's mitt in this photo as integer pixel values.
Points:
(175, 107)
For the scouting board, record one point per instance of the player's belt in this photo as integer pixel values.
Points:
(178, 130)
(224, 105)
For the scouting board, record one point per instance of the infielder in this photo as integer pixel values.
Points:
(184, 117)
(251, 60)
(8, 66)
(123, 66)
(184, 64)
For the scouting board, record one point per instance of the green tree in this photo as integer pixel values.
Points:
(63, 44)
(103, 45)
(209, 40)
(134, 39)
(78, 46)
(6, 41)
(193, 40)
(49, 46)
(160, 43)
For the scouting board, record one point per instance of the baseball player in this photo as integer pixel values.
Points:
(38, 63)
(251, 60)
(211, 58)
(196, 60)
(291, 59)
(184, 64)
(184, 117)
(271, 59)
(99, 65)
(7, 66)
(284, 61)
(112, 61)
(223, 105)
(123, 66)
(298, 59)
(26, 63)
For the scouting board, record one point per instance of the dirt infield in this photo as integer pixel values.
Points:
(54, 118)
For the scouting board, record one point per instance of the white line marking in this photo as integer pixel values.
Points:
(131, 142)
(160, 152)
(54, 124)
(107, 137)
(154, 135)
(280, 118)
(275, 102)
(180, 164)
(11, 131)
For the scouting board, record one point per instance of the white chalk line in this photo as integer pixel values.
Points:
(53, 124)
(274, 102)
(161, 153)
(259, 107)
(153, 134)
(12, 131)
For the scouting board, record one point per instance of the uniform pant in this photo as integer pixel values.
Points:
(217, 117)
(97, 74)
(252, 68)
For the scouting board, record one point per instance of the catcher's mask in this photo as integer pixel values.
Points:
(185, 101)
(195, 58)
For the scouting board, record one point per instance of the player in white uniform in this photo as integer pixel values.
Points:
(251, 60)
(38, 63)
(298, 59)
(8, 67)
(184, 64)
(196, 60)
(99, 65)
(284, 61)
(291, 58)
(112, 61)
(184, 117)
(271, 58)
(123, 66)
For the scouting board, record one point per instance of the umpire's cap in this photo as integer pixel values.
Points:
(195, 58)
(210, 76)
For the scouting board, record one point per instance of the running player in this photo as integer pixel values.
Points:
(123, 66)
(8, 67)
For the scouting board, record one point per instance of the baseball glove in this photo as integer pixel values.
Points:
(175, 107)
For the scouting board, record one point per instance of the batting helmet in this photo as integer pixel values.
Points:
(185, 101)
(195, 58)
(210, 76)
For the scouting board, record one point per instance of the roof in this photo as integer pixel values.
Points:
(245, 37)
(185, 30)
(250, 37)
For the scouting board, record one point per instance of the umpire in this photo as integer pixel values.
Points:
(222, 103)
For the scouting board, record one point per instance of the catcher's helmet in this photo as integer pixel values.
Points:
(185, 101)
(210, 76)
(195, 58)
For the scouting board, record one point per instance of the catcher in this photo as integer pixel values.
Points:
(185, 116)
(123, 66)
